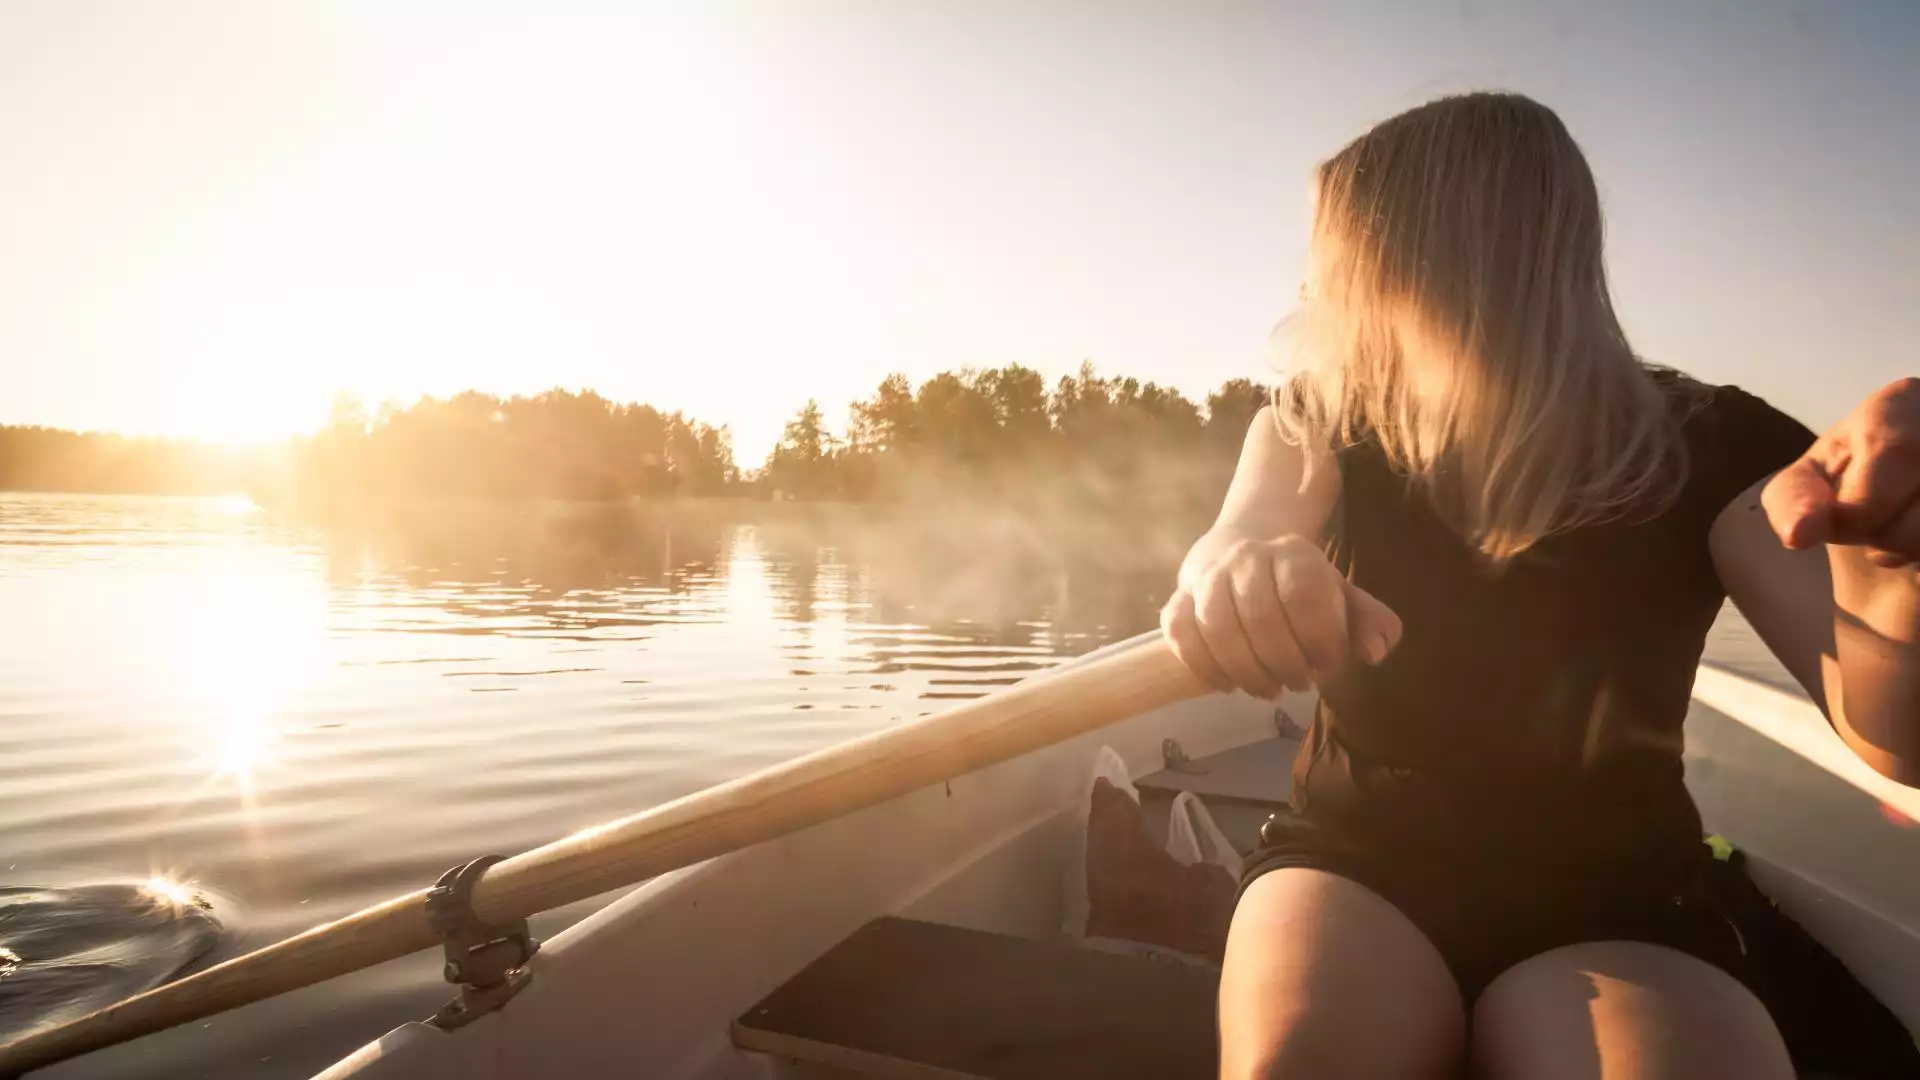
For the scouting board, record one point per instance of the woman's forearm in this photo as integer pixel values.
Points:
(1873, 682)
(1273, 494)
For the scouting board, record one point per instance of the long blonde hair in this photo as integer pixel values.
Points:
(1456, 312)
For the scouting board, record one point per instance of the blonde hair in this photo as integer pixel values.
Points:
(1456, 312)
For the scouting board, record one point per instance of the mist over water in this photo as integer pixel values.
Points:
(294, 721)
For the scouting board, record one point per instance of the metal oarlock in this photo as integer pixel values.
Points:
(488, 963)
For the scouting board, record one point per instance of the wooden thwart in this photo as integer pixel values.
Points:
(1258, 774)
(927, 1001)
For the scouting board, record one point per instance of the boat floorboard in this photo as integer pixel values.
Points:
(904, 998)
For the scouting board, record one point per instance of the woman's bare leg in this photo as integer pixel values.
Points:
(1623, 1010)
(1325, 979)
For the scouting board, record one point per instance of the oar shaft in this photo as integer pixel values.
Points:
(771, 803)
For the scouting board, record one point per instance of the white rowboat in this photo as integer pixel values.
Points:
(769, 962)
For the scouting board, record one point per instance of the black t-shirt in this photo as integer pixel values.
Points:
(1539, 708)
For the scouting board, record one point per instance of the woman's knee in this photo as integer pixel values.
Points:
(1325, 979)
(1613, 1010)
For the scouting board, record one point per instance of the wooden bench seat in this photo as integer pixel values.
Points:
(903, 998)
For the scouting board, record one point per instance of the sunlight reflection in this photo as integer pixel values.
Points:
(252, 636)
(240, 742)
(237, 505)
(165, 891)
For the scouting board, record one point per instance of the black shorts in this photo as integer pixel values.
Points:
(1485, 917)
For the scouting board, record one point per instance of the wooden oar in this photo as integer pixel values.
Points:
(768, 804)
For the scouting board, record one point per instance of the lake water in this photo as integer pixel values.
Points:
(294, 722)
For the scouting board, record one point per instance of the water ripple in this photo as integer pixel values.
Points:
(311, 719)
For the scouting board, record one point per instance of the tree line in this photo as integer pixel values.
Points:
(1001, 434)
(554, 445)
(49, 459)
(989, 428)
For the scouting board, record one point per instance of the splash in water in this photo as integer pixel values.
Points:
(65, 952)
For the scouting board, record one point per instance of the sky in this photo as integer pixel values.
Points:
(216, 216)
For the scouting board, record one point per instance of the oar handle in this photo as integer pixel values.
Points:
(773, 802)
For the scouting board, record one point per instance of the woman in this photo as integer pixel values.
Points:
(1494, 540)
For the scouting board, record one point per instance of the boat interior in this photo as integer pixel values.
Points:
(917, 996)
(926, 937)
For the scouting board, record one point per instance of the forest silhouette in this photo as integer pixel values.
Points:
(997, 437)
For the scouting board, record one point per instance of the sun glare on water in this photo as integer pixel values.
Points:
(251, 638)
(166, 891)
(237, 506)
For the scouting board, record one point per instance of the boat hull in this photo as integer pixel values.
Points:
(651, 984)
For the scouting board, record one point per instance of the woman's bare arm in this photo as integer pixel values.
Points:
(1267, 500)
(1824, 560)
(1259, 607)
(1844, 628)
